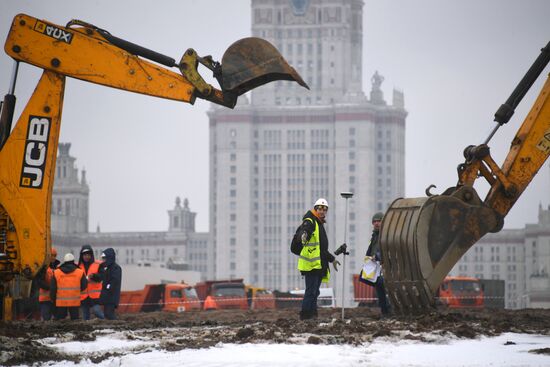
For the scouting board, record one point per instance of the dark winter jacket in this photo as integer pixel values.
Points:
(66, 268)
(85, 248)
(41, 276)
(374, 246)
(309, 228)
(111, 274)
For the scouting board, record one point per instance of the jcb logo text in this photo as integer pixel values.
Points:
(36, 148)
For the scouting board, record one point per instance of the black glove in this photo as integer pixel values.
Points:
(335, 265)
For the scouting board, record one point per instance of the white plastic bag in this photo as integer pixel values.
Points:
(370, 271)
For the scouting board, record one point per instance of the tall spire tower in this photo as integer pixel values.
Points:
(273, 157)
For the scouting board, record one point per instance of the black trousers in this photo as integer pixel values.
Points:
(381, 294)
(109, 311)
(61, 312)
(47, 310)
(313, 283)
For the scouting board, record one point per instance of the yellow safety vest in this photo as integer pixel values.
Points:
(310, 256)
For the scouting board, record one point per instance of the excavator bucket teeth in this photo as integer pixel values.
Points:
(423, 238)
(251, 62)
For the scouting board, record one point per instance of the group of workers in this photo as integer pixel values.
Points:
(69, 287)
(311, 245)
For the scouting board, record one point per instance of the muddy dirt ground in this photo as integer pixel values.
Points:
(20, 340)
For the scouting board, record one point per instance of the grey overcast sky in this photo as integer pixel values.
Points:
(456, 62)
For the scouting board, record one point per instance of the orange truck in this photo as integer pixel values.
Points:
(222, 294)
(364, 294)
(461, 292)
(173, 297)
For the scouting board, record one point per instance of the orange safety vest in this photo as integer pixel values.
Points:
(68, 288)
(44, 294)
(93, 290)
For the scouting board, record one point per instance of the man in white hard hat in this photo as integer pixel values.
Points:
(310, 243)
(67, 283)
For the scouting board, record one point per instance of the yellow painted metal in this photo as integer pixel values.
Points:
(8, 308)
(27, 166)
(28, 157)
(90, 58)
(529, 150)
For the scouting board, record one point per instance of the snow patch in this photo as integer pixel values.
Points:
(382, 352)
(115, 342)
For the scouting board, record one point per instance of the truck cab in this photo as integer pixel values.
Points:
(172, 297)
(259, 298)
(222, 294)
(180, 298)
(461, 292)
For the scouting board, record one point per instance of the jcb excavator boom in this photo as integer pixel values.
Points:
(423, 238)
(86, 52)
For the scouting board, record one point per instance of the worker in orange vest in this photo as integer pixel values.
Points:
(44, 278)
(68, 282)
(89, 300)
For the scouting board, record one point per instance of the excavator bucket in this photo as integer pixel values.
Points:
(251, 62)
(423, 238)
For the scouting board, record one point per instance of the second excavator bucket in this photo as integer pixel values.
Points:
(251, 62)
(423, 238)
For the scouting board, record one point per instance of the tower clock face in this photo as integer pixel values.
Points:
(299, 7)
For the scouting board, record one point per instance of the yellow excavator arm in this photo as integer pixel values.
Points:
(83, 51)
(528, 152)
(423, 238)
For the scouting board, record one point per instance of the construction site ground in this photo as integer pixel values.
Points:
(22, 342)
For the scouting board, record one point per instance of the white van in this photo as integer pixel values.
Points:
(326, 297)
